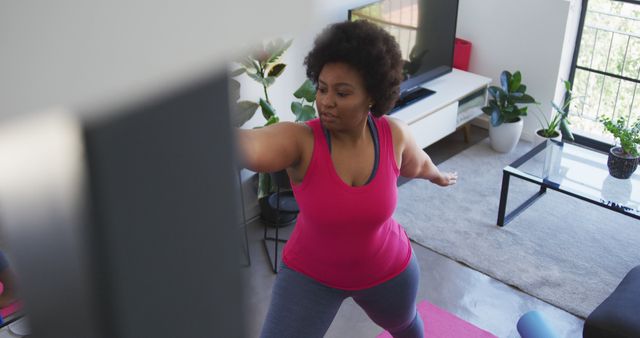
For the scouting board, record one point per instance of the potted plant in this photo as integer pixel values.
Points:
(304, 110)
(623, 158)
(505, 111)
(264, 66)
(559, 123)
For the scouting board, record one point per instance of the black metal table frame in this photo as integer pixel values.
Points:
(512, 170)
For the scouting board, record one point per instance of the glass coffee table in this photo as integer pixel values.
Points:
(574, 170)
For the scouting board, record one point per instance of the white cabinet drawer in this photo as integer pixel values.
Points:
(435, 126)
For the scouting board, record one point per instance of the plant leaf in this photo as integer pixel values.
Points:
(276, 48)
(255, 77)
(307, 113)
(244, 112)
(505, 78)
(237, 72)
(487, 110)
(272, 120)
(493, 91)
(296, 108)
(267, 110)
(526, 98)
(234, 90)
(268, 81)
(559, 110)
(257, 66)
(496, 118)
(264, 185)
(246, 62)
(306, 90)
(553, 124)
(260, 55)
(509, 114)
(276, 70)
(564, 128)
(516, 81)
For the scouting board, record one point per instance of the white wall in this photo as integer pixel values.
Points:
(87, 53)
(525, 35)
(92, 55)
(570, 37)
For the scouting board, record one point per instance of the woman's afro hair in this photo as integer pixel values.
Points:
(370, 50)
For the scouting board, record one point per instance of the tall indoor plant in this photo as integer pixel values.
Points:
(264, 66)
(505, 110)
(558, 124)
(624, 156)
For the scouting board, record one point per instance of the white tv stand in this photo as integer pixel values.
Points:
(458, 99)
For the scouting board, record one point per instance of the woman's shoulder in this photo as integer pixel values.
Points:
(302, 132)
(306, 128)
(298, 129)
(398, 127)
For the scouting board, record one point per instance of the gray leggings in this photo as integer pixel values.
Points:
(303, 307)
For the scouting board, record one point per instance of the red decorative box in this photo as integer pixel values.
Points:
(461, 54)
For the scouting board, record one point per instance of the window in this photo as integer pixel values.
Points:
(606, 66)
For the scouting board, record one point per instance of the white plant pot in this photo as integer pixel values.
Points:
(539, 139)
(504, 137)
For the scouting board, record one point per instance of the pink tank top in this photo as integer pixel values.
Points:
(345, 237)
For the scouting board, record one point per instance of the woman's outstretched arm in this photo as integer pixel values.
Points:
(270, 148)
(415, 162)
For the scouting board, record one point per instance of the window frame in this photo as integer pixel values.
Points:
(574, 65)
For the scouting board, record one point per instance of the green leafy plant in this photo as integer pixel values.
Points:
(304, 109)
(264, 66)
(506, 100)
(627, 134)
(559, 120)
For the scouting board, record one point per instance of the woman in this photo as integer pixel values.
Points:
(343, 169)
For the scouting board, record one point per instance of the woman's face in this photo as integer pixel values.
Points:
(341, 98)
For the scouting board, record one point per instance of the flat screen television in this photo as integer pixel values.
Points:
(425, 31)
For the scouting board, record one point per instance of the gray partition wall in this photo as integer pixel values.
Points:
(124, 225)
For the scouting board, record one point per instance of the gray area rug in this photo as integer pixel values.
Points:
(564, 251)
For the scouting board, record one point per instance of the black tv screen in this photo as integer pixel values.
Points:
(425, 31)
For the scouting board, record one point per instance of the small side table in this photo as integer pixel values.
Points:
(243, 224)
(573, 169)
(284, 203)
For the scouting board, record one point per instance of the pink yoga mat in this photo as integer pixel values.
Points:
(10, 309)
(439, 323)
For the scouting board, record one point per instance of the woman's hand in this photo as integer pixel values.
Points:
(446, 179)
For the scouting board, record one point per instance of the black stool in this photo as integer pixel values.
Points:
(619, 314)
(243, 225)
(286, 207)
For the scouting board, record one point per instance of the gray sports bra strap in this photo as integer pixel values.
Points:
(376, 145)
